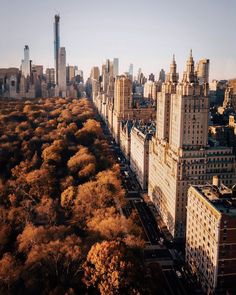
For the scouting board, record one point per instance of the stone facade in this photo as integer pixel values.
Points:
(179, 153)
(211, 236)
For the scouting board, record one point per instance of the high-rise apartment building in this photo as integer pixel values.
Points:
(95, 73)
(38, 70)
(50, 76)
(123, 94)
(70, 73)
(56, 45)
(148, 89)
(115, 67)
(151, 77)
(179, 153)
(79, 75)
(203, 71)
(62, 69)
(106, 71)
(131, 70)
(26, 64)
(162, 76)
(230, 95)
(211, 236)
(122, 102)
(108, 66)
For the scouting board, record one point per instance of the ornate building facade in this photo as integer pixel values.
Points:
(179, 152)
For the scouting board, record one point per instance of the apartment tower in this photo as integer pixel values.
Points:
(56, 45)
(179, 152)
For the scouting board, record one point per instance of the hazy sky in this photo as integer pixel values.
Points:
(144, 32)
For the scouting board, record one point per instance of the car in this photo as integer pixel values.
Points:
(178, 273)
(161, 241)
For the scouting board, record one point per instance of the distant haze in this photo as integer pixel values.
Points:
(145, 33)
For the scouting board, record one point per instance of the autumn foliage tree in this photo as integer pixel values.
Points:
(62, 228)
(110, 268)
(103, 192)
(83, 163)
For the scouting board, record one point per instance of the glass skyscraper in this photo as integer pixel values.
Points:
(56, 44)
(25, 65)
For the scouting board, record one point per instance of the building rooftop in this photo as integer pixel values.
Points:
(127, 124)
(140, 102)
(147, 128)
(222, 198)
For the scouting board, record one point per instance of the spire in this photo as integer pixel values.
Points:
(191, 54)
(173, 76)
(173, 61)
(189, 75)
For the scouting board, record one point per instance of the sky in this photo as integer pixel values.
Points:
(145, 33)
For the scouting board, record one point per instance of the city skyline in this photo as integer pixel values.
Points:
(146, 34)
(118, 147)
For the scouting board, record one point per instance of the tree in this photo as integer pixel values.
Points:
(68, 197)
(103, 192)
(112, 225)
(53, 153)
(65, 182)
(100, 149)
(5, 234)
(35, 235)
(54, 264)
(18, 217)
(83, 163)
(58, 184)
(90, 131)
(41, 183)
(9, 272)
(46, 211)
(111, 268)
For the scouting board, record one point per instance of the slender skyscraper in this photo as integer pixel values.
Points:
(25, 66)
(115, 67)
(56, 44)
(131, 70)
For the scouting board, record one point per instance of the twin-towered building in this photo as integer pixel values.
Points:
(180, 155)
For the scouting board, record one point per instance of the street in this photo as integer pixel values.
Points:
(159, 249)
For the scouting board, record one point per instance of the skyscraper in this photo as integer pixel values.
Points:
(62, 70)
(122, 103)
(131, 70)
(25, 65)
(115, 67)
(203, 71)
(162, 76)
(122, 95)
(95, 73)
(70, 73)
(179, 153)
(108, 65)
(50, 76)
(56, 44)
